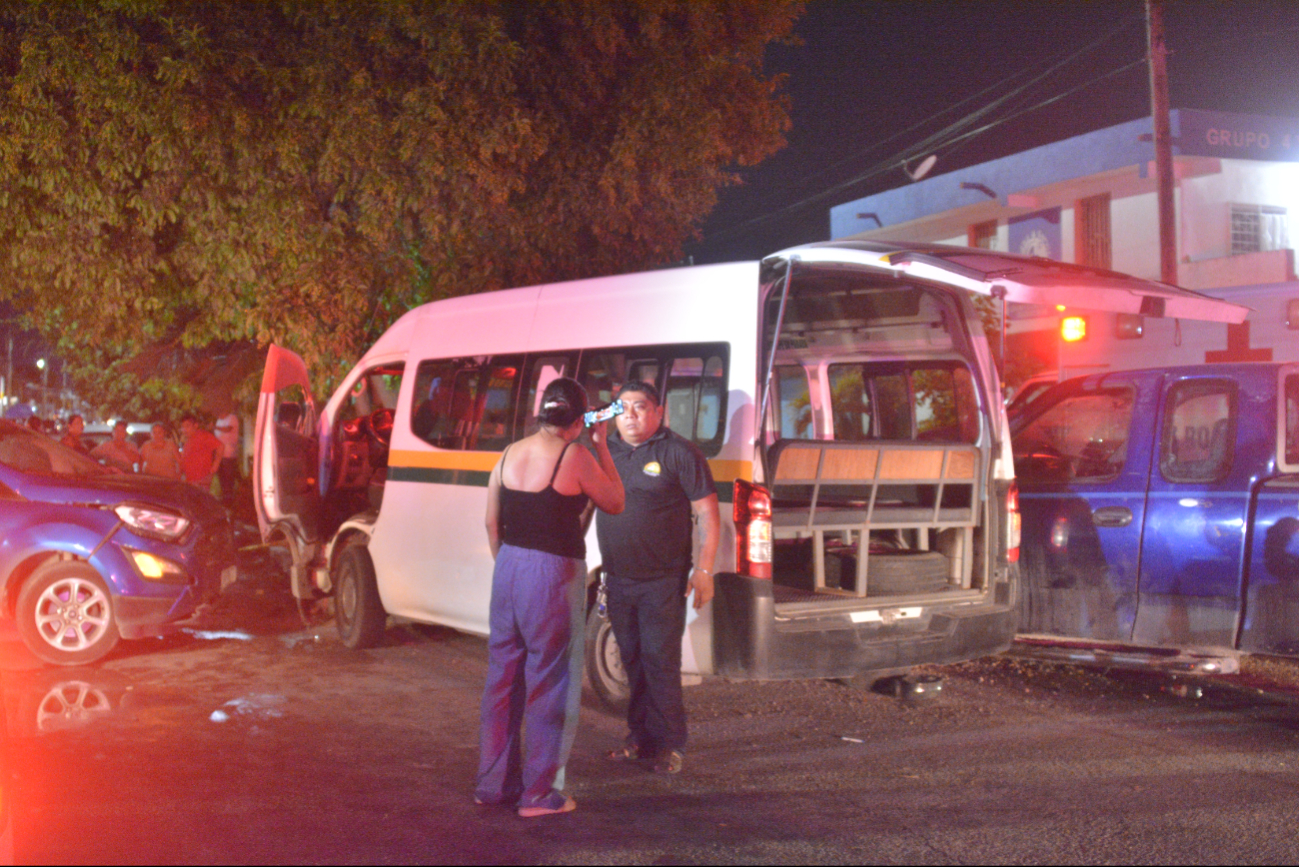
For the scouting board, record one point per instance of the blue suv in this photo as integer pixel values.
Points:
(89, 555)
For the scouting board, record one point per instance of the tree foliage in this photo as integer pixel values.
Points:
(182, 175)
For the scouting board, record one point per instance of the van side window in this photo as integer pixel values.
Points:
(1199, 432)
(691, 379)
(542, 371)
(793, 403)
(1083, 438)
(892, 394)
(290, 413)
(497, 391)
(695, 393)
(945, 404)
(850, 402)
(603, 373)
(465, 403)
(933, 402)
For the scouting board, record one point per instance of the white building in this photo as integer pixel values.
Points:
(1092, 200)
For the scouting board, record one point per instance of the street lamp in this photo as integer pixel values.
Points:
(45, 379)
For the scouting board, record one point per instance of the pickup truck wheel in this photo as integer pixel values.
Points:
(357, 609)
(906, 572)
(604, 669)
(65, 614)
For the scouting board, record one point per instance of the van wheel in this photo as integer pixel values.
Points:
(65, 614)
(357, 609)
(604, 669)
(906, 572)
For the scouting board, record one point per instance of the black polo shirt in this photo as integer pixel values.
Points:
(653, 537)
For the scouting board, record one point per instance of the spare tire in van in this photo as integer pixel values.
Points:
(906, 572)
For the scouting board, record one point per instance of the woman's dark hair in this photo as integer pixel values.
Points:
(563, 402)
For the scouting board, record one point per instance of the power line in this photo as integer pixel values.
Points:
(891, 164)
(918, 149)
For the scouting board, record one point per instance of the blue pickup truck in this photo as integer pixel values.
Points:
(1161, 508)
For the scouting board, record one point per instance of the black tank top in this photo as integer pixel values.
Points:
(544, 520)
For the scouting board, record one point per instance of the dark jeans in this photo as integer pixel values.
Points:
(649, 620)
(227, 473)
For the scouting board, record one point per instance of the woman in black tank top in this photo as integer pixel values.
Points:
(544, 520)
(536, 498)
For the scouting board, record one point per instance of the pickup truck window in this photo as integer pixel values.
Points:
(1083, 438)
(1199, 431)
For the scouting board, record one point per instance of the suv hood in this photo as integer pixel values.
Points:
(112, 490)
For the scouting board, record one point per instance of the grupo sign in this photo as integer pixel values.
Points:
(1236, 136)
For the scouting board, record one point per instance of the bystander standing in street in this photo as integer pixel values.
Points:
(647, 552)
(72, 436)
(536, 497)
(227, 431)
(118, 452)
(200, 454)
(159, 456)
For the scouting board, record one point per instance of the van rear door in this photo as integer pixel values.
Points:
(286, 451)
(1027, 280)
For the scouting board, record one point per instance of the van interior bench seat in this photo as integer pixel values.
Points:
(845, 490)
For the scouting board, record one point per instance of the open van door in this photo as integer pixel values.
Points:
(285, 456)
(1028, 279)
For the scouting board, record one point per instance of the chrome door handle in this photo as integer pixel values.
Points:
(1112, 516)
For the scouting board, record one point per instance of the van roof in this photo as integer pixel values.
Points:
(456, 325)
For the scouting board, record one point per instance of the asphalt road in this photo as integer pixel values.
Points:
(262, 740)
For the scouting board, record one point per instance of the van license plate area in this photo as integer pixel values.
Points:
(886, 615)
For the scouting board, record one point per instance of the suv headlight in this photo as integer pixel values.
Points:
(153, 522)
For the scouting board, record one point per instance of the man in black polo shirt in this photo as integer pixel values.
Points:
(646, 552)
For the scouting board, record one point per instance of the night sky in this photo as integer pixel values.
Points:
(874, 79)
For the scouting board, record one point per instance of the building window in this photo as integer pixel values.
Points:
(1255, 228)
(1092, 231)
(984, 235)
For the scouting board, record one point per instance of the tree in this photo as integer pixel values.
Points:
(178, 176)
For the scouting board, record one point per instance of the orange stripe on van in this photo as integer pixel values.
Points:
(444, 460)
(723, 471)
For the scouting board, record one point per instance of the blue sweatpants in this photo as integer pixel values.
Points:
(534, 677)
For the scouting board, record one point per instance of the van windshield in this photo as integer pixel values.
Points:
(31, 452)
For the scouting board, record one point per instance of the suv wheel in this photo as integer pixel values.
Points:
(65, 614)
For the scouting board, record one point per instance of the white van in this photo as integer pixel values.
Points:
(844, 394)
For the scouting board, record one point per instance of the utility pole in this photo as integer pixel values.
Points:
(1163, 140)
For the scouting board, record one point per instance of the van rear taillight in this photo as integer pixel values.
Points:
(1013, 523)
(752, 511)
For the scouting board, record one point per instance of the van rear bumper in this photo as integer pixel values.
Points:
(749, 643)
